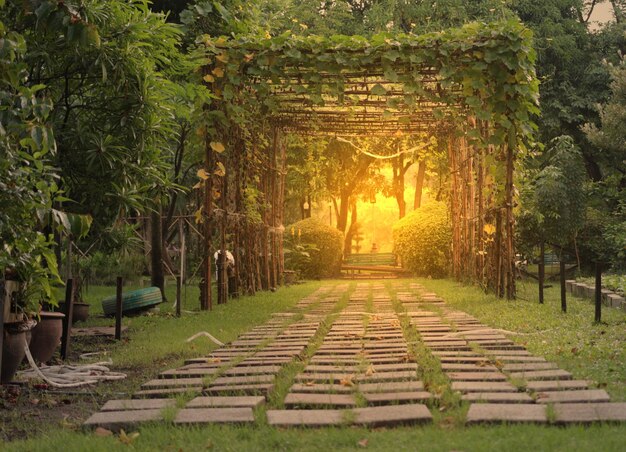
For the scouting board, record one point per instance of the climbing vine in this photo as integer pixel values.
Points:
(475, 86)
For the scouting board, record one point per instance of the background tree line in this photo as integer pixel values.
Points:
(101, 104)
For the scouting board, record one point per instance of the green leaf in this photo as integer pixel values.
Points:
(378, 90)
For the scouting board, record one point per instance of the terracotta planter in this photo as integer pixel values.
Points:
(46, 336)
(80, 313)
(13, 350)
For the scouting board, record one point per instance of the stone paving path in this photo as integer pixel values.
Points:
(346, 359)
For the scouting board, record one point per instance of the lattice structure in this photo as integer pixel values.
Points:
(473, 87)
(355, 111)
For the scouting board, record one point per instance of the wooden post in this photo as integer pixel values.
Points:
(183, 251)
(222, 279)
(598, 313)
(419, 183)
(509, 226)
(563, 292)
(1, 318)
(178, 286)
(206, 295)
(118, 309)
(542, 270)
(157, 277)
(67, 321)
(221, 259)
(69, 258)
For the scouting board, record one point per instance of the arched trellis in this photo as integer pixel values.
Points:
(473, 87)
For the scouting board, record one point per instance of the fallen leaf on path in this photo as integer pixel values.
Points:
(347, 382)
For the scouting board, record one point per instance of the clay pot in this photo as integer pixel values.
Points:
(13, 350)
(46, 336)
(80, 313)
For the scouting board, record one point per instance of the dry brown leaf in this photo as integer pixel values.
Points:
(198, 215)
(100, 431)
(223, 57)
(347, 382)
(221, 170)
(202, 174)
(127, 438)
(217, 146)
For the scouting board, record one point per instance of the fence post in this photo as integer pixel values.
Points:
(178, 284)
(1, 318)
(542, 271)
(598, 313)
(563, 293)
(118, 309)
(67, 321)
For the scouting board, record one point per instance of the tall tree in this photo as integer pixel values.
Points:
(606, 228)
(103, 63)
(28, 181)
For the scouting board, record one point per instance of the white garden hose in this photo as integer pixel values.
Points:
(69, 376)
(204, 333)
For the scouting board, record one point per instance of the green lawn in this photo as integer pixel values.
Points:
(572, 340)
(157, 342)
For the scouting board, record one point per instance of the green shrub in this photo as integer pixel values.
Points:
(103, 268)
(422, 240)
(324, 245)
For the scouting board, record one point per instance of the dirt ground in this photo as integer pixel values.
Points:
(28, 410)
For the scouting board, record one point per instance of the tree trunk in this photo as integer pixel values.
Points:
(347, 244)
(399, 170)
(156, 255)
(617, 11)
(401, 203)
(419, 184)
(344, 206)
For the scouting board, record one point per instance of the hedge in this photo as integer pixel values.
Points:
(324, 244)
(422, 240)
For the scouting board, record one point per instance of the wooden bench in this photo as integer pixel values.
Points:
(362, 265)
(371, 259)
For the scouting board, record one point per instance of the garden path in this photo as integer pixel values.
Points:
(381, 354)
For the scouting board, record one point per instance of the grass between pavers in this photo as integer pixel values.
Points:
(441, 436)
(286, 376)
(162, 337)
(589, 351)
(151, 345)
(447, 408)
(605, 438)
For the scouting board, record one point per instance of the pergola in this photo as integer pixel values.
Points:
(473, 87)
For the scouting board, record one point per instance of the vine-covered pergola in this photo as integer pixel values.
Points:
(474, 88)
